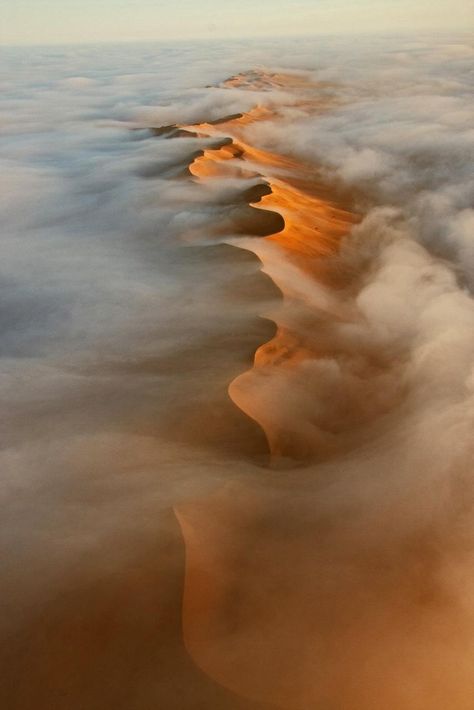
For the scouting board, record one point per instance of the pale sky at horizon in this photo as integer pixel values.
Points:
(76, 21)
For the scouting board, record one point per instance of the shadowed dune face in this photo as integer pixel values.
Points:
(327, 588)
(238, 387)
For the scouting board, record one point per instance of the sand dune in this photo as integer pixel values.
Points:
(311, 227)
(284, 600)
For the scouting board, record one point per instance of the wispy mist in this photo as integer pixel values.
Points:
(340, 578)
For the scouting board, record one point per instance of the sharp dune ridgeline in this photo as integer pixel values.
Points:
(272, 617)
(266, 612)
(302, 222)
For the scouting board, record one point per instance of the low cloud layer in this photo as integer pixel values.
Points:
(341, 578)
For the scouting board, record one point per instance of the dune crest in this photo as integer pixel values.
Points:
(315, 221)
(330, 586)
(295, 257)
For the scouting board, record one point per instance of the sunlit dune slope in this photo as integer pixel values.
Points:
(332, 586)
(313, 223)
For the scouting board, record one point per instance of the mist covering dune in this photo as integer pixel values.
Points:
(237, 376)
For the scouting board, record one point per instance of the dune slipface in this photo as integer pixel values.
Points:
(238, 431)
(300, 593)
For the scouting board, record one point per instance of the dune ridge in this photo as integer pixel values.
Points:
(325, 588)
(313, 223)
(296, 257)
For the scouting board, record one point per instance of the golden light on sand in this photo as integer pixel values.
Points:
(312, 229)
(291, 605)
(314, 224)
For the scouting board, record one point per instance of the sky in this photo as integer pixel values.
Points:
(78, 21)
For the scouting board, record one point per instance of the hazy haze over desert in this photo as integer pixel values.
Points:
(236, 371)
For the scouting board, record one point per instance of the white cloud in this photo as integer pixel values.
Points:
(122, 329)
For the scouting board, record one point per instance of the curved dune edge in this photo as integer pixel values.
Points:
(313, 225)
(294, 259)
